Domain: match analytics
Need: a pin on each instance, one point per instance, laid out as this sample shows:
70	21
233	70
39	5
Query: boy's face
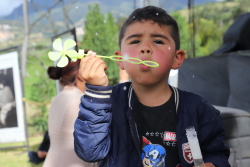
148	41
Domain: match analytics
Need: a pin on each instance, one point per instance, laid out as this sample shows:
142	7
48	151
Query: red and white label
187	152
169	136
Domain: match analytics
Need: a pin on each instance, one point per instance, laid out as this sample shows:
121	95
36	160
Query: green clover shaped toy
69	43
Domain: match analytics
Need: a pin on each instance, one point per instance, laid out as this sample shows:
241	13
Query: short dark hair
156	14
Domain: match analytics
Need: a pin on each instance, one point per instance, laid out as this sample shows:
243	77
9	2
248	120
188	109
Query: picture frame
12	126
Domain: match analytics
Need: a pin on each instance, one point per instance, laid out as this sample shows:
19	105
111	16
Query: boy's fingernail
93	54
89	52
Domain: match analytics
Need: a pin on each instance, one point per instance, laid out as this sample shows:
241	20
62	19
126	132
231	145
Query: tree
120	21
184	34
183	29
210	36
101	36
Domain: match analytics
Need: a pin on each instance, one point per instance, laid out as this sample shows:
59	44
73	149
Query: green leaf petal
72	54
54	55
63	62
74	59
69	43
57	44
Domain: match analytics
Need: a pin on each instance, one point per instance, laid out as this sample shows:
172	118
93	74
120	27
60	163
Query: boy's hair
156	14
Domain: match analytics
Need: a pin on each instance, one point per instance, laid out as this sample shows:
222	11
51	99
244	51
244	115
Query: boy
143	123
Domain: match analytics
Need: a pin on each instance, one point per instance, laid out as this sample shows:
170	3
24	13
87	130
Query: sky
7	6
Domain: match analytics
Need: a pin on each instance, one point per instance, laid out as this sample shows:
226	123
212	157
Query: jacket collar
132	98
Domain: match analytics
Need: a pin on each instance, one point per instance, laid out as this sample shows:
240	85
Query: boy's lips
144	67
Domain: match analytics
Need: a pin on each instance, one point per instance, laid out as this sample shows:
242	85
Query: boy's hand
92	70
208	164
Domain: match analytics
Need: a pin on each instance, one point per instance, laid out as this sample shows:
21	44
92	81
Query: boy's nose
145	51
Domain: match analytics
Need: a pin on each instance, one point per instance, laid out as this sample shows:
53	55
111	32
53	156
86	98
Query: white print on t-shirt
167	143
169	138
155	134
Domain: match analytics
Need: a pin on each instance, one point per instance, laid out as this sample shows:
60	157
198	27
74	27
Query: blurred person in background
40	155
62	115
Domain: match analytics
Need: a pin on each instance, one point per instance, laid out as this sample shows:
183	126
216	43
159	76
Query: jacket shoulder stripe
96	95
103	92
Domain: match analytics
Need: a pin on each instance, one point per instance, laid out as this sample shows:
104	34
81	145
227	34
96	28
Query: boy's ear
119	63
178	59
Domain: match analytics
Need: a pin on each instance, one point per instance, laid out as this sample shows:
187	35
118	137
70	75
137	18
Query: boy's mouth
144	67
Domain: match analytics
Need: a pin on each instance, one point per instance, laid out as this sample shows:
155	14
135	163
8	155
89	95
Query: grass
18	157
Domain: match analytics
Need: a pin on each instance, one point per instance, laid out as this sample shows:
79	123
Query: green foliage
211	22
39	89
41	92
40	124
242	8
120	21
183	29
209	35
184	34
94	36
101	36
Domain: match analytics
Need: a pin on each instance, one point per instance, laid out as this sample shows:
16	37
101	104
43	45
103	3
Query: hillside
210	6
44	29
78	9
117	6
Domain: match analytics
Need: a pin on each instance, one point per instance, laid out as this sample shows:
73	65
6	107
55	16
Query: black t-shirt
156	128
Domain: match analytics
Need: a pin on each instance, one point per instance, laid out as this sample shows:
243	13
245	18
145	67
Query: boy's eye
135	42
158	42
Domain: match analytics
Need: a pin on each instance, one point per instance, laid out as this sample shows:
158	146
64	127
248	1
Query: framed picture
11	106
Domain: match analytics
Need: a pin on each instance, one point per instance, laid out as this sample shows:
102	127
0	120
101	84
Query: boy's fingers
101	69
86	69
82	68
97	69
89	55
105	67
85	60
92	70
89	65
102	77
97	64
